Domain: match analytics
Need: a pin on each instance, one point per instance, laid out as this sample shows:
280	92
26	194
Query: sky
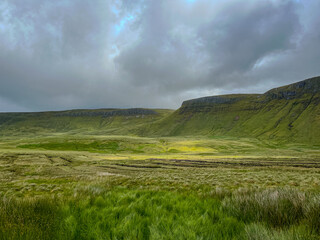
71	54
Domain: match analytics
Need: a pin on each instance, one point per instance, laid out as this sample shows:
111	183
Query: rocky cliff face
214	100
218	103
295	90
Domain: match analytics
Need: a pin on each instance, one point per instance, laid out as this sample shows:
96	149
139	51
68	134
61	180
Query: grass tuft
278	208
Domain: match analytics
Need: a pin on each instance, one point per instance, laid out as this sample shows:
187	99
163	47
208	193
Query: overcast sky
67	54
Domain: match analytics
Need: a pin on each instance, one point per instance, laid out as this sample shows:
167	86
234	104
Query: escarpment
289	113
219	103
309	86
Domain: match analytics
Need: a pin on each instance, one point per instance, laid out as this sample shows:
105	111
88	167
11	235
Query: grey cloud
218	53
302	61
59	49
242	34
166	52
67	54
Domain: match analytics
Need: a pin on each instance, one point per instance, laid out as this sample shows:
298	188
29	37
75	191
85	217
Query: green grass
247	169
51	123
125	187
151	215
29	218
282	120
120	213
76	146
277	208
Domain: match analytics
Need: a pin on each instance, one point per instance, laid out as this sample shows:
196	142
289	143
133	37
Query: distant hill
288	113
83	121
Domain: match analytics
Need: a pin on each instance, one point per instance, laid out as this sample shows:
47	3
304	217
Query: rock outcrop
295	90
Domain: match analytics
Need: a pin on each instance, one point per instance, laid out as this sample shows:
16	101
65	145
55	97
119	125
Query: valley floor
121	187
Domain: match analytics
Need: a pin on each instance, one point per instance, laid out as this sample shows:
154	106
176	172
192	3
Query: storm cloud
68	54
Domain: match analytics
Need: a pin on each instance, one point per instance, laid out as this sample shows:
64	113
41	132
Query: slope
95	121
288	113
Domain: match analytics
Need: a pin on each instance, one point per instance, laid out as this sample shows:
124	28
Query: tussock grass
119	214
118	187
312	213
277	208
258	231
29	218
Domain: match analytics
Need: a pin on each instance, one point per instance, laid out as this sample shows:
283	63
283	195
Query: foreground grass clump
257	231
122	213
119	214
148	214
280	208
29	218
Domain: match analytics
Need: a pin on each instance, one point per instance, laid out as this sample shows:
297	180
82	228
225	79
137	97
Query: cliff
288	113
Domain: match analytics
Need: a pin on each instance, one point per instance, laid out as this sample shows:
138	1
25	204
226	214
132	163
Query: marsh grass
258	231
277	208
29	218
121	213
103	187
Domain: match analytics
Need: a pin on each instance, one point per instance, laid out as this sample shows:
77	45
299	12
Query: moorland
223	167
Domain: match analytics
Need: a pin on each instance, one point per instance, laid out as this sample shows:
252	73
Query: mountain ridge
288	113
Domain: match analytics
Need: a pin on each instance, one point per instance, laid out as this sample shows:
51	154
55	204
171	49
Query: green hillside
97	121
288	113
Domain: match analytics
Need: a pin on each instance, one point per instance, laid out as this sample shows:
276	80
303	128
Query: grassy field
62	186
